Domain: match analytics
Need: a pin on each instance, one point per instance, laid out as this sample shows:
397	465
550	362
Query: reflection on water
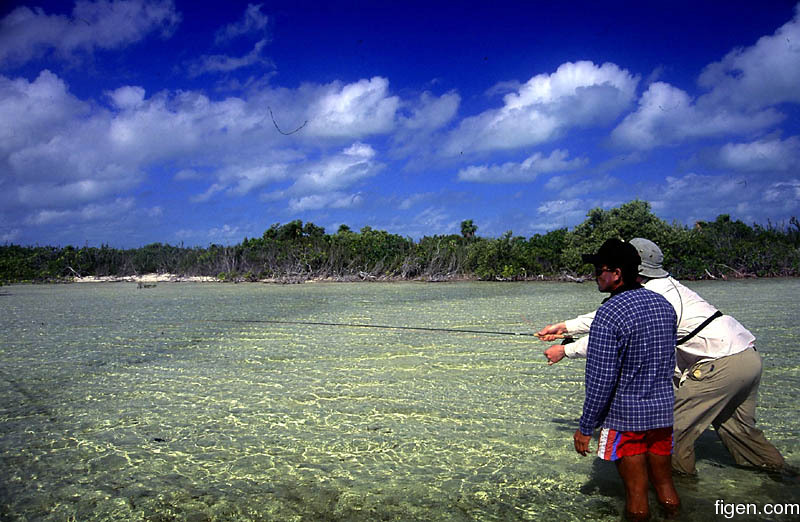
125	404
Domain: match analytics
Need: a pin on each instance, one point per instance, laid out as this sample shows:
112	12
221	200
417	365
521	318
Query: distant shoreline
154	278
147	279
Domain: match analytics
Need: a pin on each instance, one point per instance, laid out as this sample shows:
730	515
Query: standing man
717	374
630	360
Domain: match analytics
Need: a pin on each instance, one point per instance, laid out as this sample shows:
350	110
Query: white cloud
526	171
667	115
352	110
9	236
220	63
352	165
187	174
677	188
414	199
27	33
560	213
91	212
743	90
421	124
128	97
55	194
687	198
767	155
322	184
434	219
238	179
568	187
579	94
247	179
764	74
329	200
226	234
60	152
753	199
35	112
783	191
208	194
252	22
431	112
54	148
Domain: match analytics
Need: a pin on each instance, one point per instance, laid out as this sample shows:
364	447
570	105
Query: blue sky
131	122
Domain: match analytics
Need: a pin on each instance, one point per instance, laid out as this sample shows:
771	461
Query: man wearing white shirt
717	369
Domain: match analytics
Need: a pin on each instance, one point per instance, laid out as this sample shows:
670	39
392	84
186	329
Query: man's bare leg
634	473
659	469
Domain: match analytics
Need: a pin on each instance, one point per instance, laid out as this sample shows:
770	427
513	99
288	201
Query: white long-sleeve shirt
721	337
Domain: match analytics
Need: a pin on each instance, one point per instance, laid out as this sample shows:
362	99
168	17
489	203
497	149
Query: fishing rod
382	326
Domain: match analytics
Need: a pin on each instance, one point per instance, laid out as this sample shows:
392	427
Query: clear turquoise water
118	403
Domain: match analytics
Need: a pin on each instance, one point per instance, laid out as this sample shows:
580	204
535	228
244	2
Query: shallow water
118	403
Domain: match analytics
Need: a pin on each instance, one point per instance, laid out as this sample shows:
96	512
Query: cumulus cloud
355	109
323	184
667	115
59	152
343	170
764	74
743	90
35	112
246	179
579	94
767	155
526	171
431	112
55	148
26	33
421	123
686	198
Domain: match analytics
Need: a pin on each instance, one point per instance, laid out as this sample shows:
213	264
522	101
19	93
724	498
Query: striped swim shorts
616	444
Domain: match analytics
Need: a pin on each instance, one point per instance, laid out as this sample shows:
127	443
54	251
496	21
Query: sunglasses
599	270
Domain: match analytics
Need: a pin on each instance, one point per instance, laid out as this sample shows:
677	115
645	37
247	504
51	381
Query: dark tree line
298	251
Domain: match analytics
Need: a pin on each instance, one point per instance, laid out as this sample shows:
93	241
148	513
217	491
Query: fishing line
385	327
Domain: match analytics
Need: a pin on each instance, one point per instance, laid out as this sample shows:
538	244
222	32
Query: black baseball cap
614	253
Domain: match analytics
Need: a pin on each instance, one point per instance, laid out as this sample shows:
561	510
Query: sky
130	122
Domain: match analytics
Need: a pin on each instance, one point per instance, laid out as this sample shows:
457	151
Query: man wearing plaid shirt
630	361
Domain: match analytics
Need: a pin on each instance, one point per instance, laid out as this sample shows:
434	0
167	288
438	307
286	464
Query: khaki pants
722	393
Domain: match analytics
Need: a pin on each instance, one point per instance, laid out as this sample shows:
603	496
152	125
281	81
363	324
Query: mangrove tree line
297	251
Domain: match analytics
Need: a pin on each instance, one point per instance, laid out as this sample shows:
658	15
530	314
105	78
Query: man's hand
551	332
581	442
554	354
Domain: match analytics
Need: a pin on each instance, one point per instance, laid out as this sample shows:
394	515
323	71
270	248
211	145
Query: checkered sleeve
602	373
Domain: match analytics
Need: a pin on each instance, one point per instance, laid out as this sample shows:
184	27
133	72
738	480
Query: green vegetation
298	251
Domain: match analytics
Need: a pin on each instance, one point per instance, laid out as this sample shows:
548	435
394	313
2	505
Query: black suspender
702	325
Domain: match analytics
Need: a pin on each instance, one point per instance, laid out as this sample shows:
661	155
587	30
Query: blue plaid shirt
629	366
